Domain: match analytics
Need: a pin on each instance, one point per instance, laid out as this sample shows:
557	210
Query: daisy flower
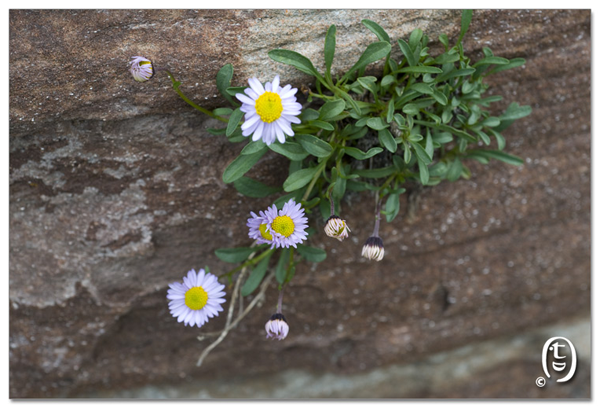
373	249
258	227
277	327
141	68
270	110
197	299
337	228
286	226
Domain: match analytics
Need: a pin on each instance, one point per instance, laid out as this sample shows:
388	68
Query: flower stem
189	101
280	300
377	218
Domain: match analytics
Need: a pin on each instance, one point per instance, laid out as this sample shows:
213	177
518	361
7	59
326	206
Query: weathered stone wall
115	191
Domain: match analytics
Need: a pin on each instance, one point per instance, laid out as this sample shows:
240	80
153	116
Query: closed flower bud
373	249
336	228
141	68
277	327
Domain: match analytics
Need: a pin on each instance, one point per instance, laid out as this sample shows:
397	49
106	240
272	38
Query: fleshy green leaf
374	52
491	61
329	48
514	111
299	179
241	165
314	145
377	123
387	140
331	109
465	21
234	121
294	59
224	81
408	53
256	276
252	188
234	255
253	147
498	155
289	149
312	254
376	173
377	30
421	69
423	171
360	155
454	170
392	207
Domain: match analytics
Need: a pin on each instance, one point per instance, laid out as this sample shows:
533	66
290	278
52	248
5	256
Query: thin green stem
320	168
189	101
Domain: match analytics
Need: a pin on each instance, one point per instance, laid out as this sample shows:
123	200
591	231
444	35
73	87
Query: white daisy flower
373	249
270	110
197	299
337	228
286	226
258	228
141	68
277	327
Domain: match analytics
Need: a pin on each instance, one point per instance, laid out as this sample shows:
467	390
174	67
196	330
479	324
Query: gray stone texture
116	190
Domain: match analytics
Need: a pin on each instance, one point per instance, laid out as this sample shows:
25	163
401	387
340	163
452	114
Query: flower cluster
281	229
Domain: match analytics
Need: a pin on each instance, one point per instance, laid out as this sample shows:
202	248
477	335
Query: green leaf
224	81
490	61
234	120
289	149
465	21
376	173
483	136
377	123
440	97
329	48
314	145
387	140
422	88
444	40
499	138
360	155
421	69
454	73
429	145
331	109
374	52
498	155
256	276
454	170
408	53
415	38
294	59
514	63
322	125
241	165
514	111
234	255
233	90
492	121
423	171
421	153
282	263
223	111
253	147
392	207
390	111
447	58
387	80
252	188
312	254
309	114
299	179
377	30
339	188
369	83
410	109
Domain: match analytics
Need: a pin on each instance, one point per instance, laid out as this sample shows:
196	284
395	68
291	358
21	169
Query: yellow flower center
196	298
283	225
263	231
269	107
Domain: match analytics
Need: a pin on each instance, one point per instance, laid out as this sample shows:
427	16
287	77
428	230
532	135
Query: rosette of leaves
422	120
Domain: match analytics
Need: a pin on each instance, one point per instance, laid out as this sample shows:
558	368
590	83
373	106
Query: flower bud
373	249
336	228
277	327
141	68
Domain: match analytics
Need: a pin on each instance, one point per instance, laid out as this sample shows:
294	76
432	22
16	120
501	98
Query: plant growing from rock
420	122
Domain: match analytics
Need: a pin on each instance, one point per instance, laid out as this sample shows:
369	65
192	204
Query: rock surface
116	190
